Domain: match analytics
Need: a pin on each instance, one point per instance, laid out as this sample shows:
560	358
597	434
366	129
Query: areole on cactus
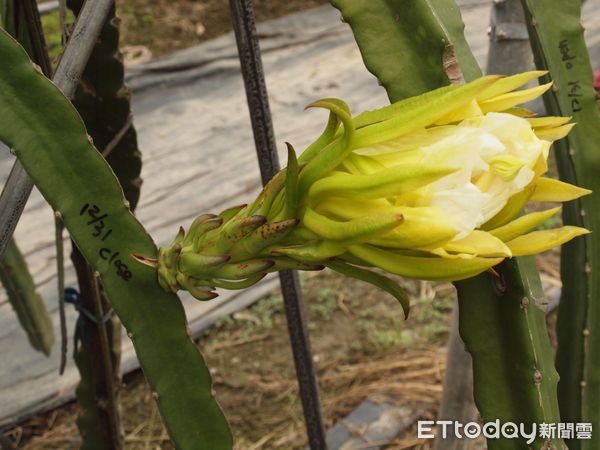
430	187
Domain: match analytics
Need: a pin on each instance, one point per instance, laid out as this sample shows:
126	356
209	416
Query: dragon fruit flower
431	187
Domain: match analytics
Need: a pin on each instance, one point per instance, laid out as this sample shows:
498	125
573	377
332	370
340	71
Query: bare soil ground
151	28
362	349
165	26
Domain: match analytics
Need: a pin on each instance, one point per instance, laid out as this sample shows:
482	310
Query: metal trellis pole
74	59
262	127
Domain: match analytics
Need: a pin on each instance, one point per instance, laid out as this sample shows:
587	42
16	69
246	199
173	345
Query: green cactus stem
22	295
97	354
103	100
18	19
50	140
558	45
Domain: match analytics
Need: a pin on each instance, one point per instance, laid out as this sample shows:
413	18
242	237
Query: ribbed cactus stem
514	375
558	45
103	100
62	163
20	19
28	305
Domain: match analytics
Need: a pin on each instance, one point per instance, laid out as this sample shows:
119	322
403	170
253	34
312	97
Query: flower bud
430	187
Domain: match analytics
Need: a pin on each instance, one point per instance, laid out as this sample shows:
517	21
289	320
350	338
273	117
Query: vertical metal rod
36	36
74	59
262	127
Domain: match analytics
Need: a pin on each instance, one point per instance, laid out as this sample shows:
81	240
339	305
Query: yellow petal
540	241
541	165
384	183
355	230
312	252
390	159
479	243
412	234
548	122
551	190
520	112
361	164
434	268
472	109
351	208
513	206
444	254
389	111
351	168
484	181
422	115
422	227
515	98
523	224
506	166
511	83
554	134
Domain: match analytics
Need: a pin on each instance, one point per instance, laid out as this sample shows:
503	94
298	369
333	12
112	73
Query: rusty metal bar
262	127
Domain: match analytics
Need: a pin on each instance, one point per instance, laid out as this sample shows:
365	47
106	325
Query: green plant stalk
21	19
408	49
501	319
60	289
513	369
29	306
103	100
558	45
51	142
97	354
12	19
31	311
102	423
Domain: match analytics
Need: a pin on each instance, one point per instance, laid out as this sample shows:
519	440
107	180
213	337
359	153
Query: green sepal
356	230
199	265
262	204
422	115
312	252
200	234
291	183
234	285
375	279
195	228
384	183
244	269
334	153
232	212
220	241
283	263
264	236
328	135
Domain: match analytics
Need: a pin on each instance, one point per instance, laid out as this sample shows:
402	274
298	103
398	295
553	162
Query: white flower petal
474	193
